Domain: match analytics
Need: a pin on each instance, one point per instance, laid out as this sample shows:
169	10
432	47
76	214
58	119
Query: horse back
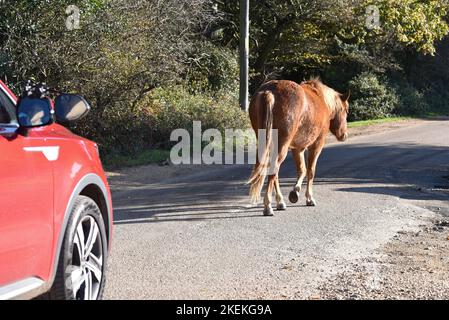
299	114
289	103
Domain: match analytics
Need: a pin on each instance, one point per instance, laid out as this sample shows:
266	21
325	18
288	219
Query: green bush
174	108
372	97
212	68
118	129
412	102
438	101
122	130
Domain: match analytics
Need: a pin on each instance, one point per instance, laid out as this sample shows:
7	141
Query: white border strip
19	288
51	153
8	94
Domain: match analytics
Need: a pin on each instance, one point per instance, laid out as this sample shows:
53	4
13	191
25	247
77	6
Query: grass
437	114
144	158
364	123
158	156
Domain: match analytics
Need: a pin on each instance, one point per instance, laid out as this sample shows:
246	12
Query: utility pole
244	54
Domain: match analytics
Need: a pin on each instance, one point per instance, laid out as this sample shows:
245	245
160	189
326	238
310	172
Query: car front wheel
82	263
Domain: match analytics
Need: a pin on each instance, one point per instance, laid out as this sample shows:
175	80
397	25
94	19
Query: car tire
82	262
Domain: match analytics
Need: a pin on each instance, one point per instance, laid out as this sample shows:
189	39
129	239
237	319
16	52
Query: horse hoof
282	206
293	197
311	203
268	212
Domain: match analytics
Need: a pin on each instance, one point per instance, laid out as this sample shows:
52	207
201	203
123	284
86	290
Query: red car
55	203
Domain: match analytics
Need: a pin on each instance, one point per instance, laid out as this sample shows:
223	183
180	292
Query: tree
121	51
306	36
418	24
279	27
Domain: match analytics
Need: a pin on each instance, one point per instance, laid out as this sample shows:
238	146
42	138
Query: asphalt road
197	237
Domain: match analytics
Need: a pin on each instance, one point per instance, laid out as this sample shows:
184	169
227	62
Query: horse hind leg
298	156
273	182
268	210
281	205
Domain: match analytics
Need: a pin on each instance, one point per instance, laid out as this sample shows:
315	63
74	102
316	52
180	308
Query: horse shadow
408	171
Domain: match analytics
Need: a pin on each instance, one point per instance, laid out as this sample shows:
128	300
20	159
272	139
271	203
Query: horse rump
263	104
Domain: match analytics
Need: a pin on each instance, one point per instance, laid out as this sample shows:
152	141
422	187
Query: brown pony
303	115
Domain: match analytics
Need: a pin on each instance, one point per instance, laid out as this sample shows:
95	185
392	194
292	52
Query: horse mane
329	95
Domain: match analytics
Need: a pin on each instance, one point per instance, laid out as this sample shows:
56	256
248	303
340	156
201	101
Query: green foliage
300	37
412	101
155	66
118	129
212	68
372	97
119	53
175	107
144	157
438	102
415	23
364	123
430	75
293	35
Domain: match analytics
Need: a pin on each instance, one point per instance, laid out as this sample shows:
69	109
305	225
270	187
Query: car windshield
7	110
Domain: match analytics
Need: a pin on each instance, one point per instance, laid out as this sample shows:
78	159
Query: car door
26	199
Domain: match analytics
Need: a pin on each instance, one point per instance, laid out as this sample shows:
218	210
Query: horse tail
265	102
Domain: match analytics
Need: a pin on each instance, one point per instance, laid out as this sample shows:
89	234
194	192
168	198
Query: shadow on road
404	170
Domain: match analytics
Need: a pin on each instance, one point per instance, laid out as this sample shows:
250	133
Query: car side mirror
32	112
70	107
